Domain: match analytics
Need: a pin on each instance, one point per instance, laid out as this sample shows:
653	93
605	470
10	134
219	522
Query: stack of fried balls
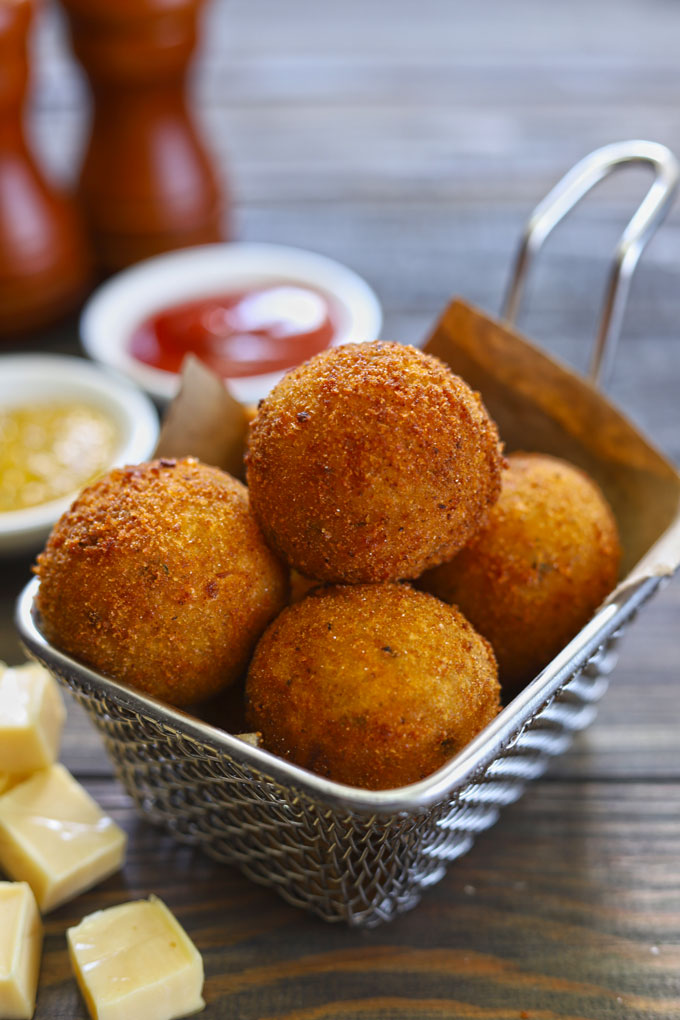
369	466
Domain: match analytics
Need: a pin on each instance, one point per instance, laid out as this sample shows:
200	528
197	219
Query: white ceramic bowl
36	378
123	302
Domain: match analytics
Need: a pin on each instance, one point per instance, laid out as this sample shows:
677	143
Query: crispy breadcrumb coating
159	577
371	462
538	570
376	686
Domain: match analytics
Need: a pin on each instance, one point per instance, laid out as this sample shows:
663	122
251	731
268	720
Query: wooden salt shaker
44	263
147	184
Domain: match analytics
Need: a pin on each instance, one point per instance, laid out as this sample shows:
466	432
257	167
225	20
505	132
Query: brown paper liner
205	421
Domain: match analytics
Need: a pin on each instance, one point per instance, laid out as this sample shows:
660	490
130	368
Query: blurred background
411	142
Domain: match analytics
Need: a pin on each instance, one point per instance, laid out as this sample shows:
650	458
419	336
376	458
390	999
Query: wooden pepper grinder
147	184
44	263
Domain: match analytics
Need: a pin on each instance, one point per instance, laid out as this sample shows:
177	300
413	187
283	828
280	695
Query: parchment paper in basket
205	421
542	405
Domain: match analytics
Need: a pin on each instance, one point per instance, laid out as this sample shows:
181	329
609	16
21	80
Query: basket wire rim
412	798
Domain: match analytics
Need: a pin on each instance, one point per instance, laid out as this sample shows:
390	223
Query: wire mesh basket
360	856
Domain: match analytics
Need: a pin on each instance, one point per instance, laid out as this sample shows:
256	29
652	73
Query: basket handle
561	200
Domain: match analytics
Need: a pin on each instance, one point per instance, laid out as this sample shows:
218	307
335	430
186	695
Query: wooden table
411	141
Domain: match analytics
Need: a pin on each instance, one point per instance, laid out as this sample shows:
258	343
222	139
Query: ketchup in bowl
250	332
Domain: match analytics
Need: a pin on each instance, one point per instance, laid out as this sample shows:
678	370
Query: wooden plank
379	153
231	77
545	915
572	38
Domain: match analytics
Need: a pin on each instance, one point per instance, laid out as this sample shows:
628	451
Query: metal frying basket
355	855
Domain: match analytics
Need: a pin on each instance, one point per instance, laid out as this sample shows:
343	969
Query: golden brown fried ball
372	685
159	577
537	571
371	462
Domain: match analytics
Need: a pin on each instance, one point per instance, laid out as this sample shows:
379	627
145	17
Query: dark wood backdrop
411	140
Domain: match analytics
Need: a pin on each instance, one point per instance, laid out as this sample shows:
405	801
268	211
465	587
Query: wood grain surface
411	141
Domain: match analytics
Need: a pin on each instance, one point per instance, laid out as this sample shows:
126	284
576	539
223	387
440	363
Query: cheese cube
54	836
31	718
9	780
20	948
136	961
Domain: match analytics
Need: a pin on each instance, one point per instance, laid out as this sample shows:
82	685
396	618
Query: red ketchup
267	328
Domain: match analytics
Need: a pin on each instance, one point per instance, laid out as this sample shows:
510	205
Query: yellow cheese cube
136	962
54	836
31	718
8	780
20	948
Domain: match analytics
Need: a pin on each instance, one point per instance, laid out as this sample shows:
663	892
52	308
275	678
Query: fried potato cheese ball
159	577
539	568
371	462
375	686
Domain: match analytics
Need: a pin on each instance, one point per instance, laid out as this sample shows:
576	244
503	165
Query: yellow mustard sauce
51	450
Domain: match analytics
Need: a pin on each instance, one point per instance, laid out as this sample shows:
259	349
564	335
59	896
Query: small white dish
36	378
123	302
